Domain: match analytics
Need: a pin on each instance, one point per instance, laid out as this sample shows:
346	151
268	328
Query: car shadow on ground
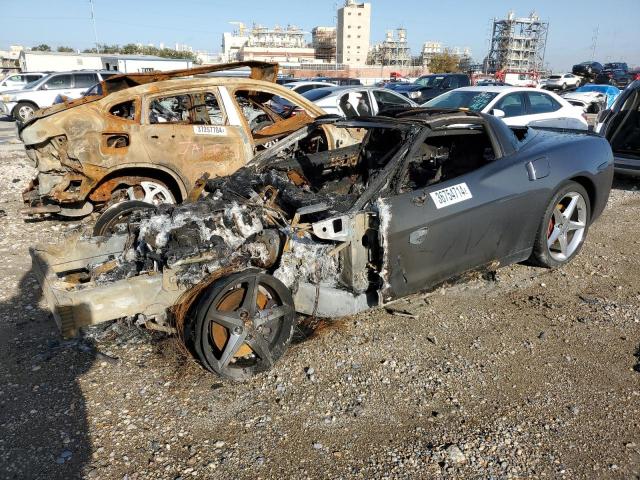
42	408
627	183
636	367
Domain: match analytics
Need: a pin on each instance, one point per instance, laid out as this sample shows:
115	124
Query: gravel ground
533	373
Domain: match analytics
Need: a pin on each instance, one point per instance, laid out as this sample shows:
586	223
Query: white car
303	86
17	81
517	106
21	104
564	81
356	101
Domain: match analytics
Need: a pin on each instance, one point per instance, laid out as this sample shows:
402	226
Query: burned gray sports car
427	195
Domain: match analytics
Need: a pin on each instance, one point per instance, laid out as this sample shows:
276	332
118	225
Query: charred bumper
59	270
55	193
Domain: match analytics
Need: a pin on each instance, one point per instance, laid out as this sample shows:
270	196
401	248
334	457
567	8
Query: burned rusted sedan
150	136
426	196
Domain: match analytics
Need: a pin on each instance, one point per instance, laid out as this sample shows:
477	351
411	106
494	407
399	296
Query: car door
622	127
60	84
189	132
485	216
545	111
514	107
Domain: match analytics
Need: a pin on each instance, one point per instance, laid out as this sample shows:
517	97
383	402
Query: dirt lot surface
532	374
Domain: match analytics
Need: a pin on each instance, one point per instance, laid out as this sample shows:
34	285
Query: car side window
388	99
58	82
451	82
126	110
355	104
512	105
173	109
541	103
446	155
84	80
206	109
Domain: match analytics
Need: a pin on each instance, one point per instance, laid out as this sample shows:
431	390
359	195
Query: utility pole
594	42
93	21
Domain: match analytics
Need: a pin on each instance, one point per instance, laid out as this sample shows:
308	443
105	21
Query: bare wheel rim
150	192
25	112
567	226
244	324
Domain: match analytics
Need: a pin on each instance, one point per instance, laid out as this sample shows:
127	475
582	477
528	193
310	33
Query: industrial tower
517	44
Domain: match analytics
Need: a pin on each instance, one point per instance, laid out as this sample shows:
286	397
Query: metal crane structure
517	44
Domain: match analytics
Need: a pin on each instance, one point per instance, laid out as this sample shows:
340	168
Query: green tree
65	49
43	47
444	62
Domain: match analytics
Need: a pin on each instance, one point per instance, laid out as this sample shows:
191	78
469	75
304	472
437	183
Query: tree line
128	49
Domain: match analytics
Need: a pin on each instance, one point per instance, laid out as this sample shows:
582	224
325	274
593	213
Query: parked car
620	125
350	102
429	86
616	66
18	81
342	81
563	81
21	104
619	78
515	105
494	83
591	92
286	108
331	234
151	136
587	69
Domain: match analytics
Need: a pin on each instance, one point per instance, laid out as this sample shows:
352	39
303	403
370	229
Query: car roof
496	89
305	82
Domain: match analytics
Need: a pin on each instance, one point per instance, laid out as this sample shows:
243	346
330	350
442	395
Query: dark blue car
430	86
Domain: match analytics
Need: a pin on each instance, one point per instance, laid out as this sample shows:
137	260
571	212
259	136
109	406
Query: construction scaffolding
394	51
517	44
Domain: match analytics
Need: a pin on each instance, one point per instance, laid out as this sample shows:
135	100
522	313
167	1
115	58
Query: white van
21	104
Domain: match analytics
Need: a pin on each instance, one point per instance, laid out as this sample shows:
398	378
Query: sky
200	23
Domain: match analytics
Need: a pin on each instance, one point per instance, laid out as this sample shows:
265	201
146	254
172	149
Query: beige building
354	32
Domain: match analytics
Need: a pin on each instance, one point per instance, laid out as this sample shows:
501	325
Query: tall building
394	51
517	44
284	45
354	33
323	41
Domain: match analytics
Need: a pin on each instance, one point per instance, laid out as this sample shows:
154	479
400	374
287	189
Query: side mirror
496	112
44	87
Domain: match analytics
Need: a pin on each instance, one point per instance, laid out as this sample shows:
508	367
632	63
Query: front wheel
564	227
23	111
117	214
242	324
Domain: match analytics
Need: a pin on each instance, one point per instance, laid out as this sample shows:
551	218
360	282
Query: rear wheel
564	226
243	324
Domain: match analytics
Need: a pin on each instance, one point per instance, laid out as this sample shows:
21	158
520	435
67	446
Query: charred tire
242	324
117	214
563	227
23	111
